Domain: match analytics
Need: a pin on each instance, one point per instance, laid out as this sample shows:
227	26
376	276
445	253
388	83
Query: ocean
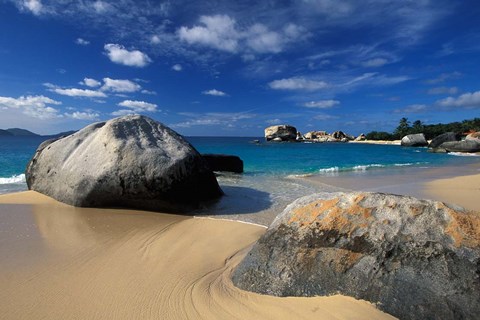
274	172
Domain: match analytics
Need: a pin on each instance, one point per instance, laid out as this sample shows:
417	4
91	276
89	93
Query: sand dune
60	262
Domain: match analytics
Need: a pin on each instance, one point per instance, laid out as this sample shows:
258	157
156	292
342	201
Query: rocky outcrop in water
224	162
414	140
281	133
131	161
461	146
415	259
444	137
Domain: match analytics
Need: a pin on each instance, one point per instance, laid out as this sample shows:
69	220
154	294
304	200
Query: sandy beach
61	262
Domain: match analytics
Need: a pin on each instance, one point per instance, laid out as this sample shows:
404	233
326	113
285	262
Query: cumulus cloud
177	67
89	82
82	42
74	92
298	83
138	106
216	31
90	116
120	85
118	54
214	92
467	101
33	6
322	104
221	32
155	39
443	90
33	106
413	108
101	7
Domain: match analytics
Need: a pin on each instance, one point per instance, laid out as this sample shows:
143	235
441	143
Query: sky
232	68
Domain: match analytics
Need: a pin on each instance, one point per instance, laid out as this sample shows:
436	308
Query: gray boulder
415	259
444	137
131	161
414	140
281	133
461	146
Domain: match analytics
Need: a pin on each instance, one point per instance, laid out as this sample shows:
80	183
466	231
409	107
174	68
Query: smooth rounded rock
131	161
414	140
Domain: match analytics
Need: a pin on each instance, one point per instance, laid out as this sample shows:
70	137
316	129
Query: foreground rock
281	133
474	136
444	137
131	161
414	140
416	259
223	162
461	146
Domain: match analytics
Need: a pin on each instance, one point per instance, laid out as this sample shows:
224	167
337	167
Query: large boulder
474	136
414	140
461	146
224	162
444	137
131	161
415	259
283	132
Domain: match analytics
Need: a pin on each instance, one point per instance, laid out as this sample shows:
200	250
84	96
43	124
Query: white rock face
130	161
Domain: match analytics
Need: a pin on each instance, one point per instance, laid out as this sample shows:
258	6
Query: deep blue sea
270	168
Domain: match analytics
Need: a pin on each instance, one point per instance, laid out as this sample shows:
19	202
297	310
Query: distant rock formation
444	137
461	146
361	137
414	140
281	133
474	136
415	259
131	161
223	162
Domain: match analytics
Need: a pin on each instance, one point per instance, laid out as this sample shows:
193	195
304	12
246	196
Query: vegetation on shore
429	130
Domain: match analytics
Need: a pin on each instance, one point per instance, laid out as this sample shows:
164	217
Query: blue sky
223	68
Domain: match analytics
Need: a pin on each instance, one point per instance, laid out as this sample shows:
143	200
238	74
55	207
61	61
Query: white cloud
213	119
216	31
91	116
118	85
443	90
101	7
413	108
177	67
33	106
139	106
89	82
298	83
274	121
214	92
34	6
82	42
375	62
118	54
144	91
222	32
467	100
155	39
444	77
322	104
74	92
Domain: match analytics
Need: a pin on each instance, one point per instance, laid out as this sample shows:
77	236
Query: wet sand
61	262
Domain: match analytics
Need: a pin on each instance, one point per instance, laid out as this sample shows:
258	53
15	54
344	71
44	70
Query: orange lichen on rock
464	228
334	215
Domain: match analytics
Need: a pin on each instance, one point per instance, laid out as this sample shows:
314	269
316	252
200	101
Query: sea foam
15	179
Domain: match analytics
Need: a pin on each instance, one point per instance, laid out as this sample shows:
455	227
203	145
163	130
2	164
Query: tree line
429	130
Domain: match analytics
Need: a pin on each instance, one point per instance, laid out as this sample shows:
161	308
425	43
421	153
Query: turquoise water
273	171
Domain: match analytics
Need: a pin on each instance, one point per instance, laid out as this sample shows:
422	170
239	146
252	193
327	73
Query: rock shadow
237	200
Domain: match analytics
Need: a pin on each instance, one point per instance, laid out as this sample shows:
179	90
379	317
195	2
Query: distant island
18	132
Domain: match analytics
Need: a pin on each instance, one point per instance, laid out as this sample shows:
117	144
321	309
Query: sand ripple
118	264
